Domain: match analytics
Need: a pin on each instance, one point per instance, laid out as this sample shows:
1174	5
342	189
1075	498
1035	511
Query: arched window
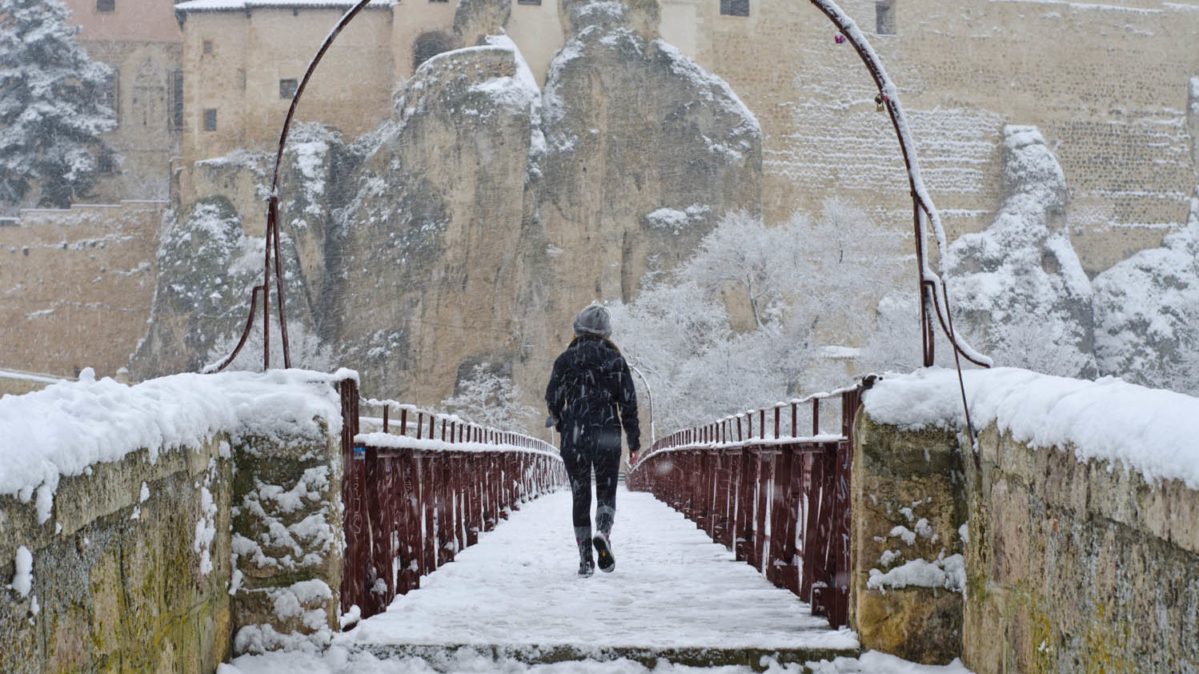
429	45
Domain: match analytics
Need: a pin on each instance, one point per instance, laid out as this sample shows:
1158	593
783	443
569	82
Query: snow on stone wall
1019	284
102	482
1150	431
66	428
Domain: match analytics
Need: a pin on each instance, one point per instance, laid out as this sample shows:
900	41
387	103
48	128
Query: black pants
579	466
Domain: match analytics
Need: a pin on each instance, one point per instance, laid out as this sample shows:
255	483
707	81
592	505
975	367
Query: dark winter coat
590	386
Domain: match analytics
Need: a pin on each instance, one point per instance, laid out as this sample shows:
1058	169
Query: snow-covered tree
743	321
52	106
490	399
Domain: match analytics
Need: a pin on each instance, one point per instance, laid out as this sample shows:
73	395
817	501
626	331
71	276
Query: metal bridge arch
934	295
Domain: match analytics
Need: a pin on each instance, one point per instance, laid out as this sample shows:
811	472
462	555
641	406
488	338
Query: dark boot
604	517
586	563
607	562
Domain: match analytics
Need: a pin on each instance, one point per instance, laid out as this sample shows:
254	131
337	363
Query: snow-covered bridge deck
674	594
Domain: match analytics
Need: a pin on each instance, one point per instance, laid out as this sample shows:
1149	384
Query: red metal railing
775	495
418	491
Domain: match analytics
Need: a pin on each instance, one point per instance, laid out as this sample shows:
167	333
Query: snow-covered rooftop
233	5
66	427
1151	431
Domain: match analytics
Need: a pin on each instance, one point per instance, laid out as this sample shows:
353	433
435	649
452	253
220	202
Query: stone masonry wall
76	286
1068	566
138	567
1079	566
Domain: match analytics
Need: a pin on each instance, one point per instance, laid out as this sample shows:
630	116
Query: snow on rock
1147	312
1151	431
205	531
714	91
294	602
675	220
945	572
65	428
22	580
207	266
1019	283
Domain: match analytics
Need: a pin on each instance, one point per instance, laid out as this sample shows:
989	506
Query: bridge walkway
675	594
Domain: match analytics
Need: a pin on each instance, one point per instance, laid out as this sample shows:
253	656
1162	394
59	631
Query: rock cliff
1147	312
471	225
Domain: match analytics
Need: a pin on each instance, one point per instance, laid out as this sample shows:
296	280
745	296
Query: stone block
288	539
917	624
908	505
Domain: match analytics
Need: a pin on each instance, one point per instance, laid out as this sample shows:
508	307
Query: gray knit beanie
594	319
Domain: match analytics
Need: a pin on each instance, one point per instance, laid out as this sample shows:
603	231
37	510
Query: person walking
590	396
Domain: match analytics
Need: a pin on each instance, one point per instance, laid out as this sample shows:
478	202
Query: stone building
142	44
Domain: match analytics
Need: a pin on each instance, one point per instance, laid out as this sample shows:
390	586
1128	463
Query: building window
177	99
207	46
105	163
884	17
110	94
528	2
734	7
106	5
429	45
210	120
287	89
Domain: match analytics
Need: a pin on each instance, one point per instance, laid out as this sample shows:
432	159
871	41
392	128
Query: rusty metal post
765	472
777	561
428	492
410	558
745	502
352	493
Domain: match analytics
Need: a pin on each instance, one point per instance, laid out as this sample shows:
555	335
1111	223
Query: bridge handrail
436	431
719	433
412	500
781	502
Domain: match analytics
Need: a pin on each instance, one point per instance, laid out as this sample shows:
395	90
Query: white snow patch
907	535
676	220
205	530
946	572
22	580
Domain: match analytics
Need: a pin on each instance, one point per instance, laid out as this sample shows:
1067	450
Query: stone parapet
169	558
1066	565
135	553
1080	566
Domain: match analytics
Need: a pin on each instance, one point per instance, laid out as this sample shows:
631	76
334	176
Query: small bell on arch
879	100
839	39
